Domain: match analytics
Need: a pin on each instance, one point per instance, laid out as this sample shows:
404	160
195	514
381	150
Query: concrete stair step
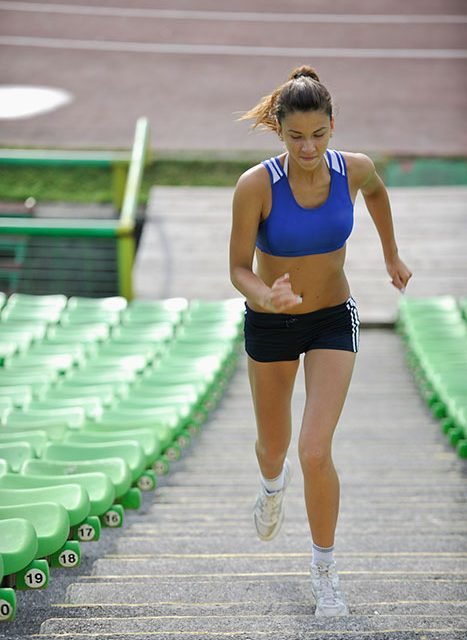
391	565
396	608
167	539
250	589
277	626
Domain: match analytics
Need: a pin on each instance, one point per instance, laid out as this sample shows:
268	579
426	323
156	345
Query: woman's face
306	136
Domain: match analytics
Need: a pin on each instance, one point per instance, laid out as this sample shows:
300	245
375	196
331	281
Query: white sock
322	554
276	484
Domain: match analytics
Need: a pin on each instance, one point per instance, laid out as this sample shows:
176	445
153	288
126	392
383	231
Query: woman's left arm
363	174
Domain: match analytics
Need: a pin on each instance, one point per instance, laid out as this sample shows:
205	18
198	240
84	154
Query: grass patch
93	184
75	184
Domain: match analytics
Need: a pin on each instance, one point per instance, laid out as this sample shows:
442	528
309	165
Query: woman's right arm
246	215
248	203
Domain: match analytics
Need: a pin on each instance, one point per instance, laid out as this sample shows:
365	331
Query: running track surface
398	76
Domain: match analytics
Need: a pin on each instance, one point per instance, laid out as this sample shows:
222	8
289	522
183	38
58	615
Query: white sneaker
269	509
325	588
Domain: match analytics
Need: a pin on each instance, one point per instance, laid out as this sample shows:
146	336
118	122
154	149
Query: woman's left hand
399	272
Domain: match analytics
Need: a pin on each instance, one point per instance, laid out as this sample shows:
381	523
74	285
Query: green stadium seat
50	521
143	312
87	315
113	303
19	313
95	373
159	333
462	302
6	407
72	417
104	394
38	385
97	484
128	450
436	304
20	395
36	438
89	334
146	480
7	351
113	361
102	387
32	301
18	544
57	363
35	379
115	469
146	438
90	405
73	497
17	338
163	379
16	453
76	352
18	550
7	600
55	430
221	313
25	329
461	424
166	430
120	350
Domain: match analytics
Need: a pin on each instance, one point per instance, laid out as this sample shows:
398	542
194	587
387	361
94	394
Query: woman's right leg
272	385
271	388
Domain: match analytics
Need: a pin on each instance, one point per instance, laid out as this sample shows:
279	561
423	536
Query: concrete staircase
191	566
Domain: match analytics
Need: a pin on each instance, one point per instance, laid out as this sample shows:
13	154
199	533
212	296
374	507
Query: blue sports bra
291	230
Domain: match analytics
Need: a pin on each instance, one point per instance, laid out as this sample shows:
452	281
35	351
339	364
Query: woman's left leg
327	377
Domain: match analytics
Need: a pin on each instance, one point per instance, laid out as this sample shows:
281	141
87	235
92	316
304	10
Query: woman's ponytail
303	91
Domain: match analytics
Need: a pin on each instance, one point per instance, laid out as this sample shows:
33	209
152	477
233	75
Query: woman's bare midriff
319	278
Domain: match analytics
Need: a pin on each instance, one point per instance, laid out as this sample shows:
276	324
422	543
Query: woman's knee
271	452
314	457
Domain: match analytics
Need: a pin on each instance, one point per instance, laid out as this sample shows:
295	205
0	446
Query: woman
294	213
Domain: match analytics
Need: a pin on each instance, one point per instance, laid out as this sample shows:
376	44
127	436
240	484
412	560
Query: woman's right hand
281	297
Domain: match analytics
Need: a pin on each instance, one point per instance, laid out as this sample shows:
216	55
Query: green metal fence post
126	229
126	250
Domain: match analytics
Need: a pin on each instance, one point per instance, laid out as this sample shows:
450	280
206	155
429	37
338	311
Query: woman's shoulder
359	166
357	160
253	191
255	178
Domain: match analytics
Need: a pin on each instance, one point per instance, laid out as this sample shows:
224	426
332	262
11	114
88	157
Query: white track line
243	16
226	50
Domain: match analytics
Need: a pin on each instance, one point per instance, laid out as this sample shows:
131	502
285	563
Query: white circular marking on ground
24	102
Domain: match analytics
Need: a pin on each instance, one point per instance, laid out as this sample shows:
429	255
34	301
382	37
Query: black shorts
271	337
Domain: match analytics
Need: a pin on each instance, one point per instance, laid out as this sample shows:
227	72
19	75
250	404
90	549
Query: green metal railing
77	257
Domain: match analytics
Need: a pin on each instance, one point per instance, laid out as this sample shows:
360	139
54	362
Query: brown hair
302	91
